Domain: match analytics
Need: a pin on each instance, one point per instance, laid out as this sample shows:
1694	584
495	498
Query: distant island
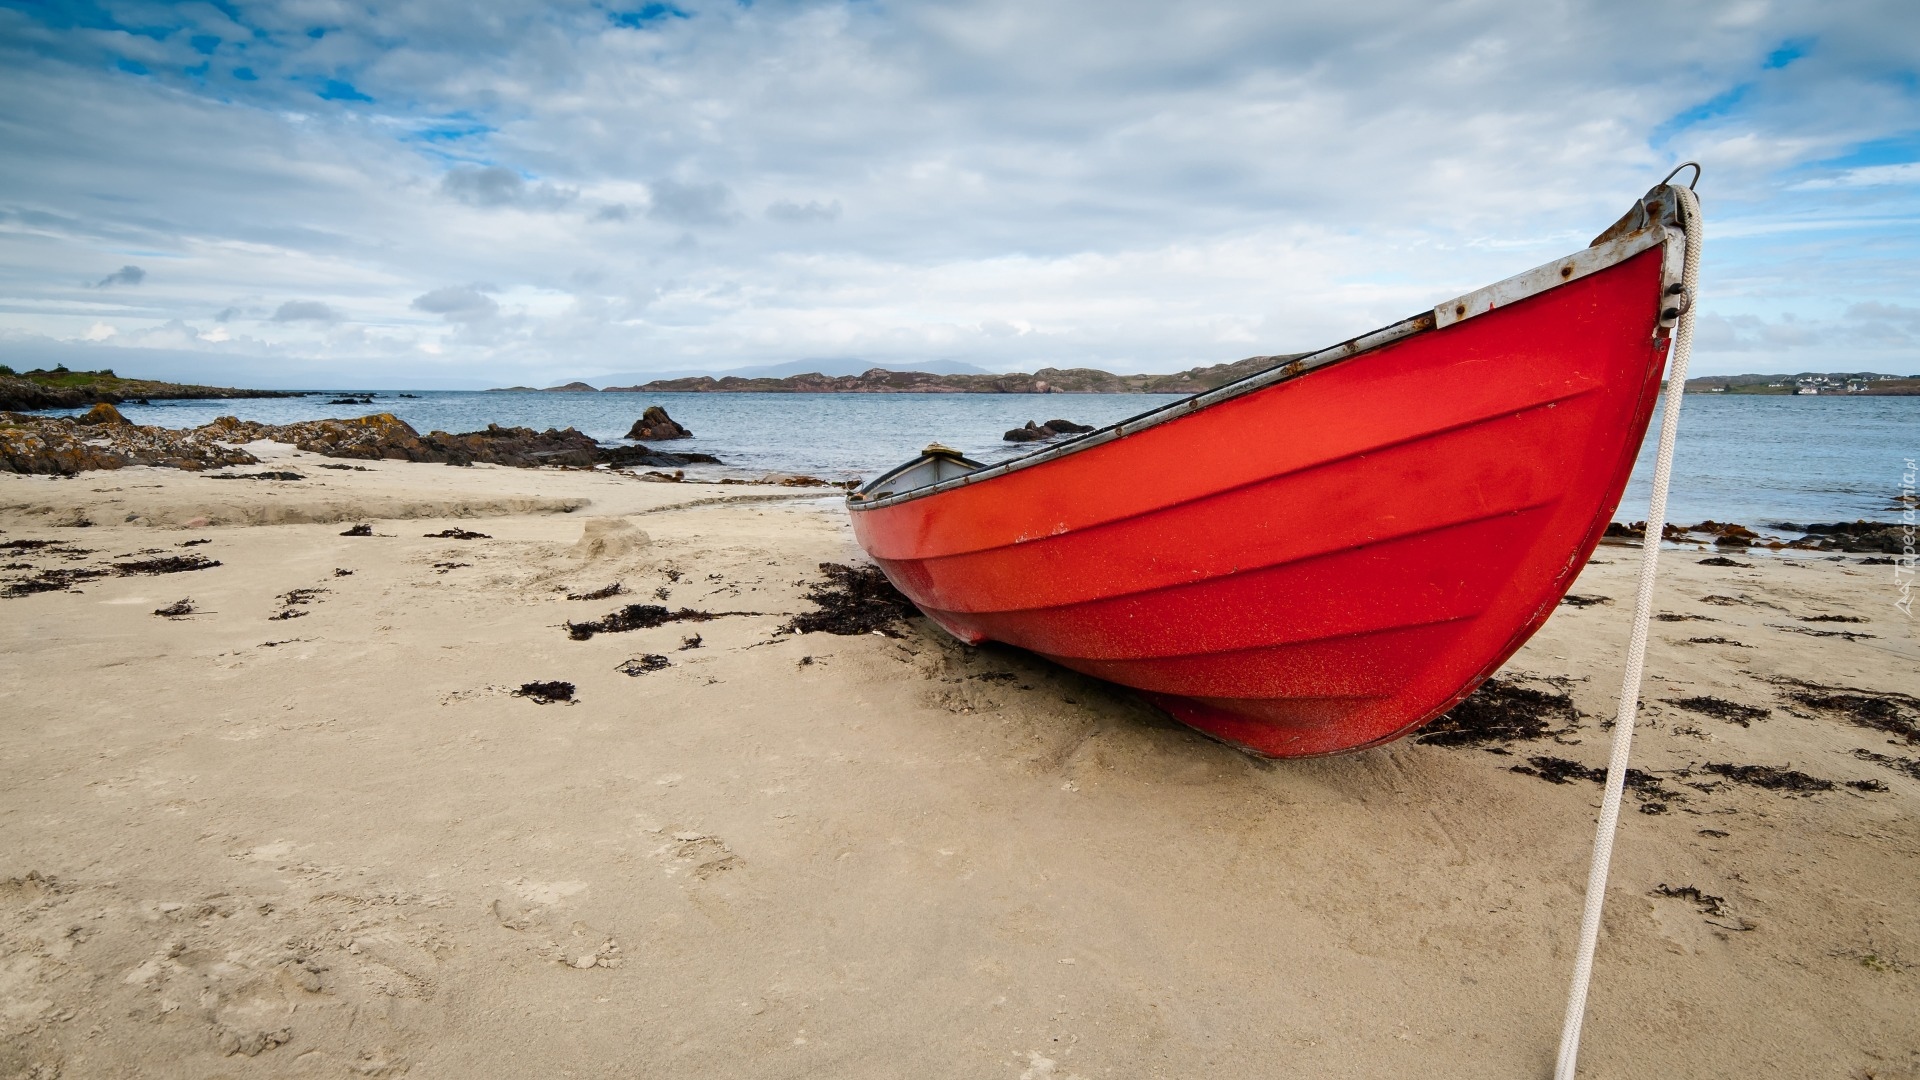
62	389
884	381
1858	383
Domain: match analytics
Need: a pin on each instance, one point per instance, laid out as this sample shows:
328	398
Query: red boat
1330	553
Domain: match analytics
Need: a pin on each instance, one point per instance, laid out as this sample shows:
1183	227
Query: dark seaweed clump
853	600
1668	616
1584	601
359	530
1711	905
1894	714
271	475
1717	641
49	581
1772	777
641	617
176	610
644	664
172	564
1722	709
1722	560
457	534
1560	771
1501	711
614	589
1644	786
545	693
1906	765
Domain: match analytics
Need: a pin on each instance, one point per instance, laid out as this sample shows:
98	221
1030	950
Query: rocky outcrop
1854	536
384	435
63	446
102	413
59	389
1036	432
655	424
1860	537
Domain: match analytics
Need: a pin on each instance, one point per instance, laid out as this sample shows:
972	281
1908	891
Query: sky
320	193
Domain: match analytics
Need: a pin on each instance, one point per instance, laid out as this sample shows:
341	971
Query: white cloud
1129	185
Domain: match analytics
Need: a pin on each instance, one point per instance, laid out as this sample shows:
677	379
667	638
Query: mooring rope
1629	708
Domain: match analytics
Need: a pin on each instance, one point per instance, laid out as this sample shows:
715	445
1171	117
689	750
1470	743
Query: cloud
458	303
795	213
294	311
691	205
1866	176
126	275
497	185
1132	186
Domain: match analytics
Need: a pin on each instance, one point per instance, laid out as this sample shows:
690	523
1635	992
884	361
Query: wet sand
240	843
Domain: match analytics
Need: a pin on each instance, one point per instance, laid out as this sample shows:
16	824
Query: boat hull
1327	561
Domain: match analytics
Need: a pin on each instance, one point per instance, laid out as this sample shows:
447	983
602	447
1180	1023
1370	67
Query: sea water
1748	459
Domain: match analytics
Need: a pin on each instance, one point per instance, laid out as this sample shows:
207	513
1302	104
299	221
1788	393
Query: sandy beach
309	829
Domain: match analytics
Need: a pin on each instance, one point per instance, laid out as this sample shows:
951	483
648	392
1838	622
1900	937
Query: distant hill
1044	381
63	389
1853	384
824	365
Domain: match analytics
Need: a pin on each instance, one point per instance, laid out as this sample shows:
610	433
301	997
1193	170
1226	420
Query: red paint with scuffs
1330	561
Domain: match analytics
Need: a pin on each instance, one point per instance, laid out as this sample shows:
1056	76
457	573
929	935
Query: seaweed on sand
643	664
457	534
1722	709
1895	714
1771	777
58	580
1502	711
171	564
177	609
1571	600
642	617
359	530
1905	765
1644	786
853	600
546	693
614	589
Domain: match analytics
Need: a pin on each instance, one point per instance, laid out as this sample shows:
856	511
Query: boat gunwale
1662	231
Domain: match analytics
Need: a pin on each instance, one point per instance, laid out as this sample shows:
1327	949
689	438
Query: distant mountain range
1856	384
972	381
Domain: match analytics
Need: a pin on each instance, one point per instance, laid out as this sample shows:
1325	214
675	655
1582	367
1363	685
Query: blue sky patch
340	90
649	13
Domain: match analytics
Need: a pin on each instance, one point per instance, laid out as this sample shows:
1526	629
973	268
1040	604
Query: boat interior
935	464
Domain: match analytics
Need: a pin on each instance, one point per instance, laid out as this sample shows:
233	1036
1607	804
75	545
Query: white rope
1624	716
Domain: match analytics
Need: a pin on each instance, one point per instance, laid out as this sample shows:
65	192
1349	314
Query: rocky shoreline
61	389
104	439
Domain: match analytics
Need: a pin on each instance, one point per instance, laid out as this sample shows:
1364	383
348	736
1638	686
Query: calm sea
1747	459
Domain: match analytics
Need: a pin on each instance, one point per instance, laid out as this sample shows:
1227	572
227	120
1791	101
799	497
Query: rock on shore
1036	432
103	439
655	424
